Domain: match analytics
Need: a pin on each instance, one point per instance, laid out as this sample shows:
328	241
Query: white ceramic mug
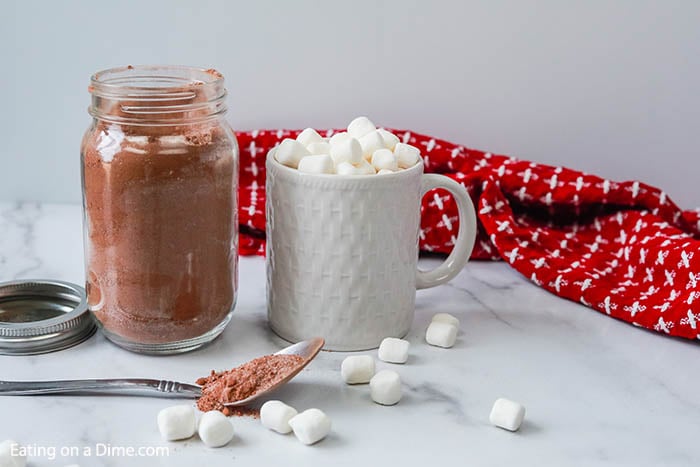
342	253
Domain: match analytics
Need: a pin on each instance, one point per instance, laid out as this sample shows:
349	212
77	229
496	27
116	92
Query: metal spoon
307	349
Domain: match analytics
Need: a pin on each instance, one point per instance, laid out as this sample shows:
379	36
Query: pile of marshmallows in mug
361	150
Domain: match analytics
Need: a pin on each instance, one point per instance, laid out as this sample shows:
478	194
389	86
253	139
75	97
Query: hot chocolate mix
160	228
244	381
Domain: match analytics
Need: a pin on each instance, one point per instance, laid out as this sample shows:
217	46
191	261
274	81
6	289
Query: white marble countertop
597	391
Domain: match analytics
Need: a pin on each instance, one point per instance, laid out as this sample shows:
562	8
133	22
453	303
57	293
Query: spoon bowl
307	350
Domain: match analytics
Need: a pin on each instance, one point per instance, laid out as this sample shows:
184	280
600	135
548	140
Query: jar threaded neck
157	95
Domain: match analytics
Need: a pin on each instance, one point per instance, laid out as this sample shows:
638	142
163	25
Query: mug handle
465	238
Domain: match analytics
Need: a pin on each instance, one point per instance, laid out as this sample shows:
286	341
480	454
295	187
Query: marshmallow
390	139
441	334
366	168
384	172
363	168
384	159
290	152
215	429
308	136
371	142
346	168
6	457
347	151
319	164
339	138
407	155
275	415
393	350
360	126
507	414
177	422
357	369
385	387
310	426
321	147
446	318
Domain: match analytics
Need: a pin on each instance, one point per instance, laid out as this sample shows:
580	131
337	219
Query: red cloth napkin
624	249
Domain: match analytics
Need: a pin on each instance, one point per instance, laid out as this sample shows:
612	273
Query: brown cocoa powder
160	228
242	382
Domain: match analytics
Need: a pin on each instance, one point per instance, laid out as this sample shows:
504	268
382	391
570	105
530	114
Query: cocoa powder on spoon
242	382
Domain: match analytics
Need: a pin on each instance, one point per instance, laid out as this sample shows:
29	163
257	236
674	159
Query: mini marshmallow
366	168
308	136
371	142
384	172
177	422
384	159
446	318
390	139
507	414
346	168
339	138
385	387
321	147
407	155
347	151
275	415
215	429
441	334
290	152
357	369
360	126
319	164
363	168
393	350
6	457
310	426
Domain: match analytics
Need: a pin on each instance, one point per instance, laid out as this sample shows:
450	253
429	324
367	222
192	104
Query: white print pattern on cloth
561	228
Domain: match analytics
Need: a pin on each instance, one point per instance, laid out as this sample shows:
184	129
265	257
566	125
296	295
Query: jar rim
151	79
157	94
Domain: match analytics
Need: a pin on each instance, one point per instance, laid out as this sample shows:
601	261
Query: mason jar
160	177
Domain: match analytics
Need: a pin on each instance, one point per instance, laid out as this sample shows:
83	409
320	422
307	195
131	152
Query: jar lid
41	316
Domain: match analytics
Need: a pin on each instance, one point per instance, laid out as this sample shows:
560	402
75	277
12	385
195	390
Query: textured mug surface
341	255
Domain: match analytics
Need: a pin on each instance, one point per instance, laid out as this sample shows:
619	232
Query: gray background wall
610	87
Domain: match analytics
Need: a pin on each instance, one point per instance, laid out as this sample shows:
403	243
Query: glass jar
160	178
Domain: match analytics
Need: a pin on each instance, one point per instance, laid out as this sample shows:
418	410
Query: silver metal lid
40	316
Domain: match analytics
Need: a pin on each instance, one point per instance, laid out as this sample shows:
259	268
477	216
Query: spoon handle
130	386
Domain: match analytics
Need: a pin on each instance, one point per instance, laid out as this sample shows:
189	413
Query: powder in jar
160	178
160	217
242	382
